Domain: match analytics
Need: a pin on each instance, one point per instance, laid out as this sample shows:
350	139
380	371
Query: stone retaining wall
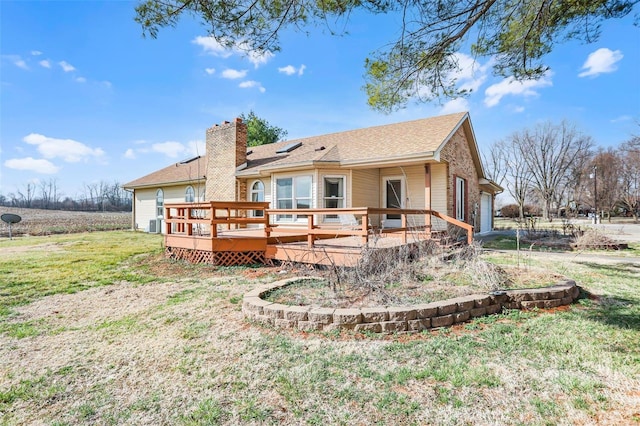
413	318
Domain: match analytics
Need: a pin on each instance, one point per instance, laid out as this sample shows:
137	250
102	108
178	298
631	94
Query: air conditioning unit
155	226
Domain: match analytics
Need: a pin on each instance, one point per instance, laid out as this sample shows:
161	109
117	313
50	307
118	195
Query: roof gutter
157	184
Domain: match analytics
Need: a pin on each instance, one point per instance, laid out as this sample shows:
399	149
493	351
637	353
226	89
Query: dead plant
594	240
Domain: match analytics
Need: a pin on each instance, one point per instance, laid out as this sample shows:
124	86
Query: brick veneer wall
226	150
401	319
458	156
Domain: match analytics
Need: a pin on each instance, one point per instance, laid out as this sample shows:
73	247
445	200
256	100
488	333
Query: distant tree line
100	196
559	170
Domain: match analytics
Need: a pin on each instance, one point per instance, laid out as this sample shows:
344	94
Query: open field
48	222
98	328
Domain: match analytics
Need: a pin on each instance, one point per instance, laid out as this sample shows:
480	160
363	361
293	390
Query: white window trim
312	201
251	191
460	201
160	207
323	198
193	192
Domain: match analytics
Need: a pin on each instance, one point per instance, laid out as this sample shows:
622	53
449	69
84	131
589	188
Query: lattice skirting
220	258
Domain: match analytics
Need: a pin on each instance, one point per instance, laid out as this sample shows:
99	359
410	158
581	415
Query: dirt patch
49	247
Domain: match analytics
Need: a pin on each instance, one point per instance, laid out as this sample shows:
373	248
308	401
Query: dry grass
385	278
177	351
48	222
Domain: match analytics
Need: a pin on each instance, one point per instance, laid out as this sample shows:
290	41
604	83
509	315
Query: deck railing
185	218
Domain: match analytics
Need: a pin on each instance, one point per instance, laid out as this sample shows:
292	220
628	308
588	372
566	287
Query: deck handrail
235	214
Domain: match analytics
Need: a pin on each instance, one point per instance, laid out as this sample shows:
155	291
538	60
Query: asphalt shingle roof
409	138
182	172
368	144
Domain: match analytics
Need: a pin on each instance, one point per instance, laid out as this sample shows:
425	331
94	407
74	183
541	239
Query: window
333	195
159	203
257	194
293	193
460	198
189	195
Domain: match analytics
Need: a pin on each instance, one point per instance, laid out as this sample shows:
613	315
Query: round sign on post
10	218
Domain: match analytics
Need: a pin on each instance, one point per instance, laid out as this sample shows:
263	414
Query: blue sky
85	98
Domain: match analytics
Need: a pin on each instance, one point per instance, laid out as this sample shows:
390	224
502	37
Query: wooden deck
231	233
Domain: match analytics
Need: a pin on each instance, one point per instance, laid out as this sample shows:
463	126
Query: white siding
364	189
439	192
145	203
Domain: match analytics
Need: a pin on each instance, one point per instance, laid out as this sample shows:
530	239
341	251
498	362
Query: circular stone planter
391	319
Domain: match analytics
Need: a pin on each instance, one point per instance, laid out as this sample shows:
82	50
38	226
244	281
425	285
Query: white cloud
18	61
170	148
130	154
471	74
36	52
107	84
197	147
66	67
518	109
511	86
210	71
601	61
255	57
288	70
455	105
81	80
621	119
213	47
233	74
250	83
21	64
69	150
291	70
15	60
33	165
45	63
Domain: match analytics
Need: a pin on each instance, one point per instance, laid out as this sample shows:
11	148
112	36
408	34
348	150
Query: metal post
595	194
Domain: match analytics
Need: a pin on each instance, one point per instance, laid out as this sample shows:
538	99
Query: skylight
289	147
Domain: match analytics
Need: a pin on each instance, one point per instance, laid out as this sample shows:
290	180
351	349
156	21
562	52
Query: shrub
510	211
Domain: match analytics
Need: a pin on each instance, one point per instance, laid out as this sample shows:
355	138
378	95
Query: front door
393	199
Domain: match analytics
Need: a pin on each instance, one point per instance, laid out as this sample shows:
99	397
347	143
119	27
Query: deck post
212	217
404	228
310	226
167	215
267	223
365	227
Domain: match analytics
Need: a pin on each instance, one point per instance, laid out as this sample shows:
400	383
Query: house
429	164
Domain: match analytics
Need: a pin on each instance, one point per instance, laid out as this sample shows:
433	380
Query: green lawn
129	338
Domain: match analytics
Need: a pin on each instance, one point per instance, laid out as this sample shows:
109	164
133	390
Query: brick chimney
226	150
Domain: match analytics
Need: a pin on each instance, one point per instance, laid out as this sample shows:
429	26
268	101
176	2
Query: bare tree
25	199
49	195
606	164
630	176
549	151
505	156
